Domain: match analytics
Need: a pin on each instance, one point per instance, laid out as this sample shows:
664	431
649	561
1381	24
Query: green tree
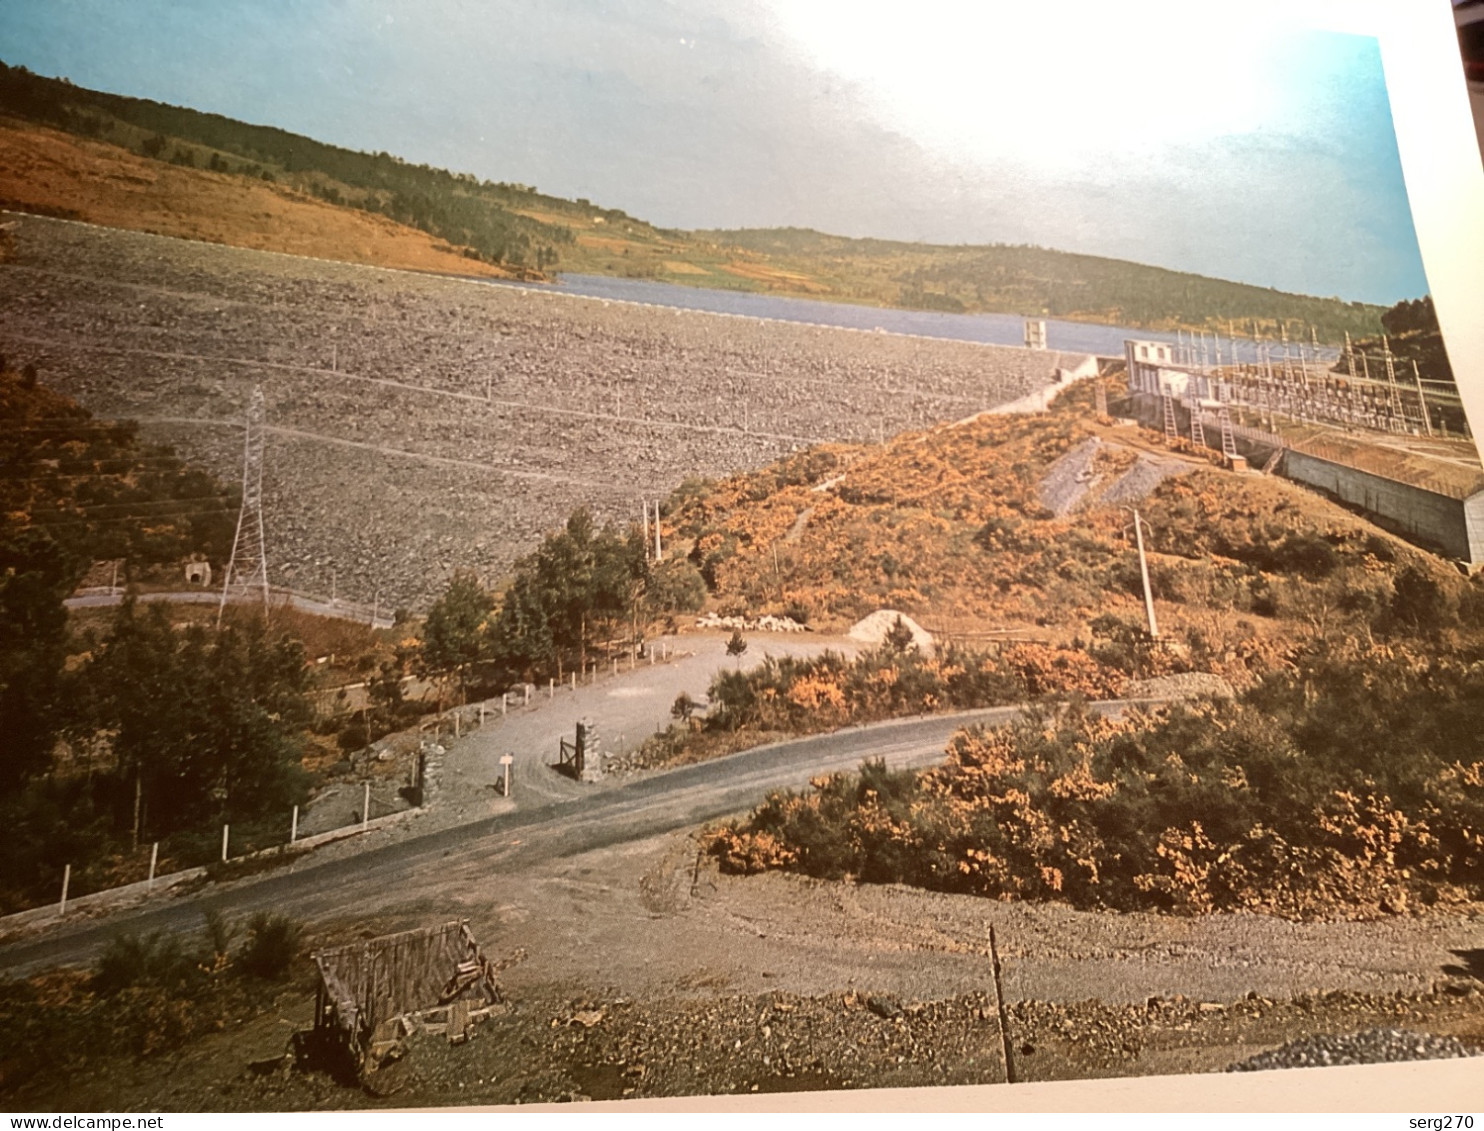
204	724
674	586
588	582
737	646
384	691
900	639
35	577
455	636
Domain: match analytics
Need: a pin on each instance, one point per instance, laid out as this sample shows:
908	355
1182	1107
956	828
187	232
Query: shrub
134	961
272	945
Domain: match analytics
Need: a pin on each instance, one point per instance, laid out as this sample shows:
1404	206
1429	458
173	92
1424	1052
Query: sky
1246	150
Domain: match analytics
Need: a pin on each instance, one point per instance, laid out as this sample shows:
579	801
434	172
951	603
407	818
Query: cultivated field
421	423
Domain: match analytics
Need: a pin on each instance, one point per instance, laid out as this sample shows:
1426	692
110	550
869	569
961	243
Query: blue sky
1263	153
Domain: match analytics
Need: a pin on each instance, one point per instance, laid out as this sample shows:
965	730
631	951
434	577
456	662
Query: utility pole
1144	575
1421	399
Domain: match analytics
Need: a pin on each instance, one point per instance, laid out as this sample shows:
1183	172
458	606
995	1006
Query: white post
574	679
505	761
294	826
225	829
651	655
504	703
481	716
550	687
527	687
615	665
154	858
458	717
644	506
659	550
366	809
66	880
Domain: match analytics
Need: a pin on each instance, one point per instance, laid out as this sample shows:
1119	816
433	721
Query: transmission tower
247	571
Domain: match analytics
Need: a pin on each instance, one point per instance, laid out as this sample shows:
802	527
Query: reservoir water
992	329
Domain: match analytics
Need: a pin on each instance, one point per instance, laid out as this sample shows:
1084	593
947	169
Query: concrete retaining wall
1417	514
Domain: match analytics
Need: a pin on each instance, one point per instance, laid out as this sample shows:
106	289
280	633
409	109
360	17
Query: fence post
66	880
615	665
550	687
504	703
366	809
294	826
154	858
224	842
527	686
574	679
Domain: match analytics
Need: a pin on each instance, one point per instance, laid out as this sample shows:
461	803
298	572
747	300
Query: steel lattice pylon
247	571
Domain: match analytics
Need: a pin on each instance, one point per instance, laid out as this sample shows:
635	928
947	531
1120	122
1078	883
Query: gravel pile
1068	480
421	423
1375	1046
874	629
1141	479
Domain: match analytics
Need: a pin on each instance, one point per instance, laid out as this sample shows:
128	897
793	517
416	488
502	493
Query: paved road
635	810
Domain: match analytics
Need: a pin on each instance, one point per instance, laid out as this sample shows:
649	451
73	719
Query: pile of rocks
1374	1046
750	624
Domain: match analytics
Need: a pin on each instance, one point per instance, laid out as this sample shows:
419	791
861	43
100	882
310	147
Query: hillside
51	173
1324	761
993	528
1034	280
218	170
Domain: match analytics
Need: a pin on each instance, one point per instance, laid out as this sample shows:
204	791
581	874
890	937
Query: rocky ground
419	423
646	973
555	1047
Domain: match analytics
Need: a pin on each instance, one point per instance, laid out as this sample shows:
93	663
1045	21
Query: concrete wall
1453	526
1419	515
1473	518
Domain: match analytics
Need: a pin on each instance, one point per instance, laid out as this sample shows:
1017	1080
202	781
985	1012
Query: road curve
635	810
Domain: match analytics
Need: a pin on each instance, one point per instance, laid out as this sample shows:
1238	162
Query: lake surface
992	329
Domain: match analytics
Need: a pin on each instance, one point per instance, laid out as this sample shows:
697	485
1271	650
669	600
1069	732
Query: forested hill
521	230
1025	279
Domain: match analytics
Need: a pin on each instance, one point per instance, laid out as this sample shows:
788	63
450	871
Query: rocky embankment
420	423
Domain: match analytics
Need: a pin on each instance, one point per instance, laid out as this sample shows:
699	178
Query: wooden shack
375	993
